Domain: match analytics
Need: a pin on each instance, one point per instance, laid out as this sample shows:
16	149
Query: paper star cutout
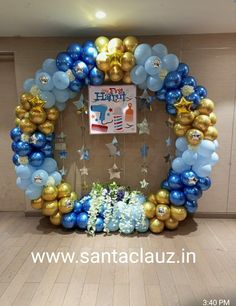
170	123
167	158
80	106
63	171
146	100
84	153
144	184
113	147
63	154
70	75
168	142
144	169
144	150
83	171
114	172
37	101
183	106
143	127
61	137
114	141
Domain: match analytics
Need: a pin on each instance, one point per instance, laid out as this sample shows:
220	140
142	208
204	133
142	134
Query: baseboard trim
33	213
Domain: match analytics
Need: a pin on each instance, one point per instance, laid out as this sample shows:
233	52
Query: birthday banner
112	109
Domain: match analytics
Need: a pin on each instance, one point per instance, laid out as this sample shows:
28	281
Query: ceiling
140	17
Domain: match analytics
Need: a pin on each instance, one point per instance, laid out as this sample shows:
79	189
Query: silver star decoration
61	137
143	127
144	95
144	184
80	103
83	171
192	180
84	153
114	172
144	169
27	138
113	147
63	171
168	142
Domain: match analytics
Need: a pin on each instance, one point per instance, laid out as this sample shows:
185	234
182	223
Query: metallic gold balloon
49	193
202	122
171	224
56	218
115	45
103	61
27	126
185	118
101	43
162	196
194	137
37	204
206	106
213	118
47	127
162	212
66	205
149	209
17	122
52	113
73	196
126	78
20	112
180	130
130	43
211	133
37	115
156	226
25	99
152	198
127	61
64	190
50	208
107	78
116	73
178	213
196	113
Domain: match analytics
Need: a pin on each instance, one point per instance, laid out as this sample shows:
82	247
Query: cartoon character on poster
112	109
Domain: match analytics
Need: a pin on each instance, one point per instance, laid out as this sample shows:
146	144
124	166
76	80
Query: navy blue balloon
36	159
194	97
204	183
189	178
189	80
89	54
23	148
80	70
99	224
96	76
191	206
82	220
193	193
47	150
171	109
69	220
64	61
78	207
88	43
161	94
14	145
183	69
201	91
75	51
38	140
177	197
174	181
172	96
165	185
75	85
50	137
172	80
87	204
171	171
15	159
15	134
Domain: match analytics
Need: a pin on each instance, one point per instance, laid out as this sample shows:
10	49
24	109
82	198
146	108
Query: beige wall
212	59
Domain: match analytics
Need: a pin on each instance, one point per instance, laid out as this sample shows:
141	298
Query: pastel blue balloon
48	97
75	51
37	72
49	165
170	62
39	177
61	95
206	148
192	193
204	183
64	61
44	81
159	50
202	171
178	165
28	84
216	143
99	225
138	75
189	178
153	65
177	197
142	53
49	66
174	181
57	177
214	159
181	144
69	220
143	85
60	106
142	227
38	140
33	192
154	84
191	206
113	225
36	159
24	171
22	183
82	220
183	69
189	157
126	227
78	207
60	80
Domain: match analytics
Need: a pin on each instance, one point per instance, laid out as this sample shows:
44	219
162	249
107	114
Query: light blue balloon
57	177
48	97
61	80
113	225
142	228
138	75
202	171
178	153
33	192
28	84
126	227
44	81
214	159
60	106
178	165
170	62
153	65
39	177
49	165
190	157
206	148
181	144
142	53
143	85
61	95
23	183
24	171
49	66
37	72
159	50
154	84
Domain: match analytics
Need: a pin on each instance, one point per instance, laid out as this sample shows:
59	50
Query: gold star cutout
183	106
83	171
36	101
114	172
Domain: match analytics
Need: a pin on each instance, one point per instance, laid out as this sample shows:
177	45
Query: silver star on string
114	172
84	153
80	103
144	184
144	169
63	171
61	137
113	147
168	142
143	127
83	171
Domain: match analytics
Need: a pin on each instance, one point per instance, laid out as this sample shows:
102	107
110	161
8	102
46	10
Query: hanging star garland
144	184
143	127
144	169
146	100
63	154
113	147
183	106
83	171
114	172
80	105
144	150
63	171
61	137
168	141
84	153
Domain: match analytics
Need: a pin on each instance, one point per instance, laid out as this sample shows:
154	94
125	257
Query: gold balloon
202	122
162	196
25	100
185	118
115	45
107	78
27	126
20	112
49	193
194	137
149	209
162	212
37	204
126	78
73	196
156	226
17	122
52	113
66	205
180	130
211	133
64	190
213	118
116	73
152	198
178	213
56	218
171	224
130	43
47	127
206	106
127	61
50	208
103	61
37	115
101	43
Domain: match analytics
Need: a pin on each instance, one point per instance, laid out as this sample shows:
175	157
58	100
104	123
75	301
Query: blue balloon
88	43
154	84
206	148
24	171
192	193
39	177
102	211
191	206
153	65
44	81
49	164
174	181
15	159
189	157
38	140
60	106
96	76
194	97
57	177
183	69
50	137
61	95
141	53
87	204
48	97
181	144
201	91
189	178
37	72
202	170
99	224
143	85
82	220
204	183
113	225
13	146
15	134
75	51
142	227
170	62
189	81
49	66
138	75
64	61
165	185
177	197
126	227
78	207
22	183
28	84
172	80
61	80
171	110
47	150
36	159
179	165
173	96
23	148
159	50
89	55
161	94
76	86
80	70
69	220
33	192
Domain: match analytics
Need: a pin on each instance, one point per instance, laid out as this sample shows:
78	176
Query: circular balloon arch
112	207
